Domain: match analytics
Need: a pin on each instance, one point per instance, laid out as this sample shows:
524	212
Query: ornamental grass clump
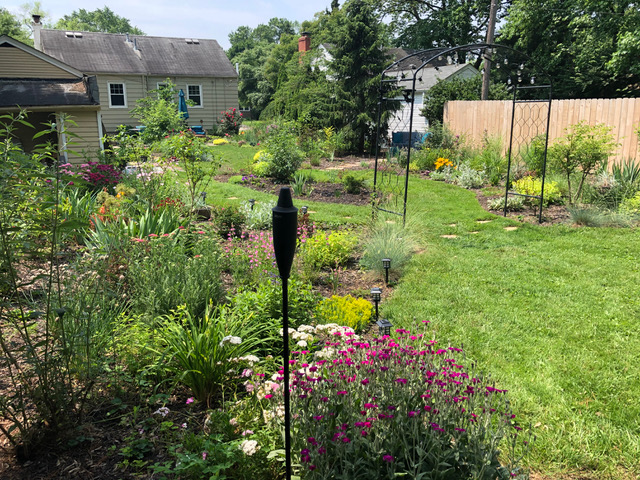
397	406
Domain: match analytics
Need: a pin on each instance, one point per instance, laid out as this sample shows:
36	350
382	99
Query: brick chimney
304	42
37	27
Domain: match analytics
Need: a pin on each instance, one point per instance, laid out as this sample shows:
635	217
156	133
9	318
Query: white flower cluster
249	447
230	339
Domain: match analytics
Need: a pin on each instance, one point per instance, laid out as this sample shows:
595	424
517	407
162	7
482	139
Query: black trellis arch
530	113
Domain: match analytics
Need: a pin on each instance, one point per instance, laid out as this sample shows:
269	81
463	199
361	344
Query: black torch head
285	229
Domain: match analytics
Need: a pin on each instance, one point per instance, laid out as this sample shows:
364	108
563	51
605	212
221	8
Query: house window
117	95
194	93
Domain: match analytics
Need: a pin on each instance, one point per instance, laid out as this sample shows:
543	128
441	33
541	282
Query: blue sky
171	18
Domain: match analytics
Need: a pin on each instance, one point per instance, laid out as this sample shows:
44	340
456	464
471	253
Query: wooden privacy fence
473	118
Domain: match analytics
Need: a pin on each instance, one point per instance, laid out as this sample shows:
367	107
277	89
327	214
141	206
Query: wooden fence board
473	118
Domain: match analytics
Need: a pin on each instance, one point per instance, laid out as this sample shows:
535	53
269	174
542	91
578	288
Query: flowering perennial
397	405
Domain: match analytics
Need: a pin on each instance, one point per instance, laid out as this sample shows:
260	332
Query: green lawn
551	312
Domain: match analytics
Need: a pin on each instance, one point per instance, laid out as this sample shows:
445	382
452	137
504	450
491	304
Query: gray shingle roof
29	92
110	53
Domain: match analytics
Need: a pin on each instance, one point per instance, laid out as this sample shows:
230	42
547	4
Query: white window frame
188	97
124	93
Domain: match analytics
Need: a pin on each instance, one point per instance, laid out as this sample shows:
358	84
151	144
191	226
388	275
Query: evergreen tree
358	61
99	20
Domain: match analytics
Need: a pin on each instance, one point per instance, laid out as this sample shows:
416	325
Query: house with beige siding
127	67
50	90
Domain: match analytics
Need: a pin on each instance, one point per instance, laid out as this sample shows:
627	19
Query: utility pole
491	30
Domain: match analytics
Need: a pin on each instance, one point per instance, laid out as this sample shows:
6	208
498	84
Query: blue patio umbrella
182	105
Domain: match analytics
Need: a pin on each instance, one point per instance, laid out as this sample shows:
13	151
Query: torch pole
287	409
285	226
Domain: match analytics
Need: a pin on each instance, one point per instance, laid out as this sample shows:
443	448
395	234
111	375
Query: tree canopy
99	20
590	47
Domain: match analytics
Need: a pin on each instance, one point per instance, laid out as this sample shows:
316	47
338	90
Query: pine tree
358	61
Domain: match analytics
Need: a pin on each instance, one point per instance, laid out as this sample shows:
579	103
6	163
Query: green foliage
129	148
285	156
11	26
532	154
158	112
99	20
205	347
265	304
352	184
458	89
387	240
52	335
533	186
358	61
583	148
347	311
251	48
438	24
588	50
324	250
180	269
468	177
631	205
514	204
230	122
260	217
490	159
227	221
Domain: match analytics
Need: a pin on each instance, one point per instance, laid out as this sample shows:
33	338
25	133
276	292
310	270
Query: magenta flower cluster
402	403
253	250
97	175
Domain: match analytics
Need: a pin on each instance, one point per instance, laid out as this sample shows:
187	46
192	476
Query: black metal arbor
403	84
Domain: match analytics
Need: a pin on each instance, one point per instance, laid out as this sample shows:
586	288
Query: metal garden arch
402	80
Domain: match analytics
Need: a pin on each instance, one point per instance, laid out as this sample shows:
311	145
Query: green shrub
514	204
631	206
532	155
265	304
262	168
283	150
227	221
469	177
230	122
158	112
347	311
207	349
352	184
490	160
426	158
181	269
260	217
533	186
328	250
581	151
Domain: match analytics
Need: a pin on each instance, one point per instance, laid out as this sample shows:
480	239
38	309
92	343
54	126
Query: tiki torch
285	227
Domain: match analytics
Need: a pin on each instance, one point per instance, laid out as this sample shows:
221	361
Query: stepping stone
232	198
453	225
484	221
311	211
347	217
449	236
510	229
391	221
473	233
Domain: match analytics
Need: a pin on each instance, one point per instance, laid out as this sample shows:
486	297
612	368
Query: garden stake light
386	264
384	326
304	210
204	196
376	293
285	228
252	202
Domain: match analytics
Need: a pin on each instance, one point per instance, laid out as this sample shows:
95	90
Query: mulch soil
96	457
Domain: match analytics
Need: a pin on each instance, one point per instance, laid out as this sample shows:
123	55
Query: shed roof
29	92
94	52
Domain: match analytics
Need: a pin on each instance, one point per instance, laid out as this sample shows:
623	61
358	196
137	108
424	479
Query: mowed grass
553	313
